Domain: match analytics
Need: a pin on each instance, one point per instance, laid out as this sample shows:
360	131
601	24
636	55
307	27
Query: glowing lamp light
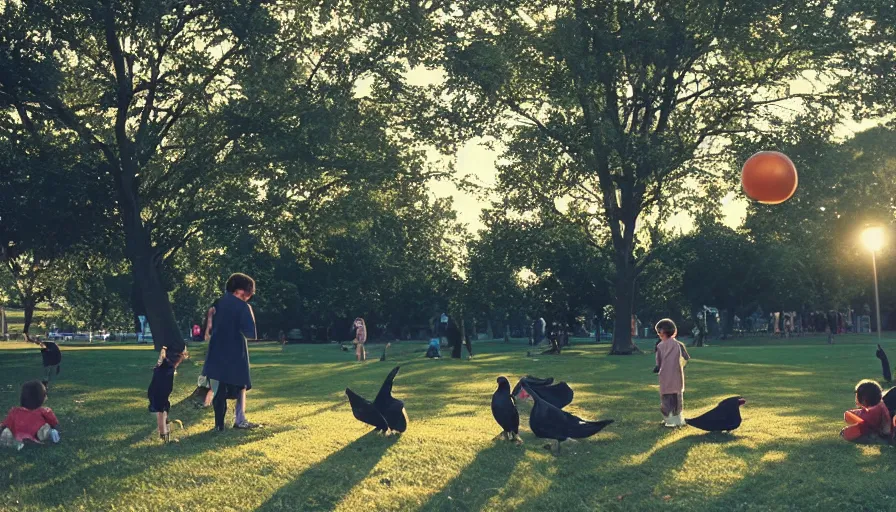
873	238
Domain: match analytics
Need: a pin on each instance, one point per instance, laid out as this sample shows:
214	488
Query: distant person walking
227	362
832	326
360	339
539	330
443	328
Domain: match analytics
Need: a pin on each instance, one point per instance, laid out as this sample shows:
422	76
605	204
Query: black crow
889	399
559	395
884	363
534	381
383	357
391	408
505	413
725	417
365	412
549	422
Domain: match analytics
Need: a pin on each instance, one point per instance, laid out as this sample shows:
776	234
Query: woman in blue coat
227	362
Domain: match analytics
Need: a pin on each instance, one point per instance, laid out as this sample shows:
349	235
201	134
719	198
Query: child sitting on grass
871	423
434	351
30	422
161	386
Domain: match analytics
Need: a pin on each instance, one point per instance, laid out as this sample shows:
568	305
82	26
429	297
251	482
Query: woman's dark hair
34	394
240	282
868	393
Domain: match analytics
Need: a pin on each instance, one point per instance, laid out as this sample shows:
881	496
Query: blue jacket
228	352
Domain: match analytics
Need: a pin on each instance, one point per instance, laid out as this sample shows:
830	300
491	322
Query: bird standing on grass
505	413
884	363
549	422
725	417
559	395
386	413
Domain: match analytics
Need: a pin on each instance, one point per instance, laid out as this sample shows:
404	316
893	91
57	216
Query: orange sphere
769	177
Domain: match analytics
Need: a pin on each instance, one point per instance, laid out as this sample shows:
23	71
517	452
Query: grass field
16	319
313	455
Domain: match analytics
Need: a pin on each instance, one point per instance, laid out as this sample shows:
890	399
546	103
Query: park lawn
313	455
16	319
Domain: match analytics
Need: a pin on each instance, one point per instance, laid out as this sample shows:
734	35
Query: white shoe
667	421
678	421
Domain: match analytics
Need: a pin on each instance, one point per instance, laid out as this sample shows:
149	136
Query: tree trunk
623	306
29	304
159	313
148	282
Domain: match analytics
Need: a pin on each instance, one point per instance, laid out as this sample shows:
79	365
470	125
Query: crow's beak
741	402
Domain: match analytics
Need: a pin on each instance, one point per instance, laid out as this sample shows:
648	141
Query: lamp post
873	240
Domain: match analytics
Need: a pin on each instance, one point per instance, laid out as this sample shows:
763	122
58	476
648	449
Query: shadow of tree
323	485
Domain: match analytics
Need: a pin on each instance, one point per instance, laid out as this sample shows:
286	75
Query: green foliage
201	116
97	295
382	253
614	112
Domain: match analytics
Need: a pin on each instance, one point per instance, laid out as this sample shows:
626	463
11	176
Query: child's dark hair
667	327
868	393
240	281
34	394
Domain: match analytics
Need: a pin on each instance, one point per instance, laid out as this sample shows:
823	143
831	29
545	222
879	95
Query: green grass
16	319
313	455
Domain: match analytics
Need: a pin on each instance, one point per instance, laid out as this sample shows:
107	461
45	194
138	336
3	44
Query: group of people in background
791	323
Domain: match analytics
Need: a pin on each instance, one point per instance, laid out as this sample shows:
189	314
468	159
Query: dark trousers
219	402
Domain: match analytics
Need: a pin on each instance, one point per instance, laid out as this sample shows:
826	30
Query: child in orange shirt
870	423
30	422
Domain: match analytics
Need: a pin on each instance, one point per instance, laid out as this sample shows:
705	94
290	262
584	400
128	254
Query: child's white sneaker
667	421
54	435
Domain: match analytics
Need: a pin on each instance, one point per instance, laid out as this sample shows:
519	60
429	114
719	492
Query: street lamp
873	240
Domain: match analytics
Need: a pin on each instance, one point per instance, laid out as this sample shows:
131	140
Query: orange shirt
877	420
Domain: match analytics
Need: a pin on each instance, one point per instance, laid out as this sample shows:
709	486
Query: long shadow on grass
826	475
486	476
75	472
324	485
576	483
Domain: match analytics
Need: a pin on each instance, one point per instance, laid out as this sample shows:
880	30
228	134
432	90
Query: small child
360	339
434	350
51	357
30	422
671	356
161	386
875	424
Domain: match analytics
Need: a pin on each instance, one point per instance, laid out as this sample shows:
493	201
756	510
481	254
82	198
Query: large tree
205	113
614	112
